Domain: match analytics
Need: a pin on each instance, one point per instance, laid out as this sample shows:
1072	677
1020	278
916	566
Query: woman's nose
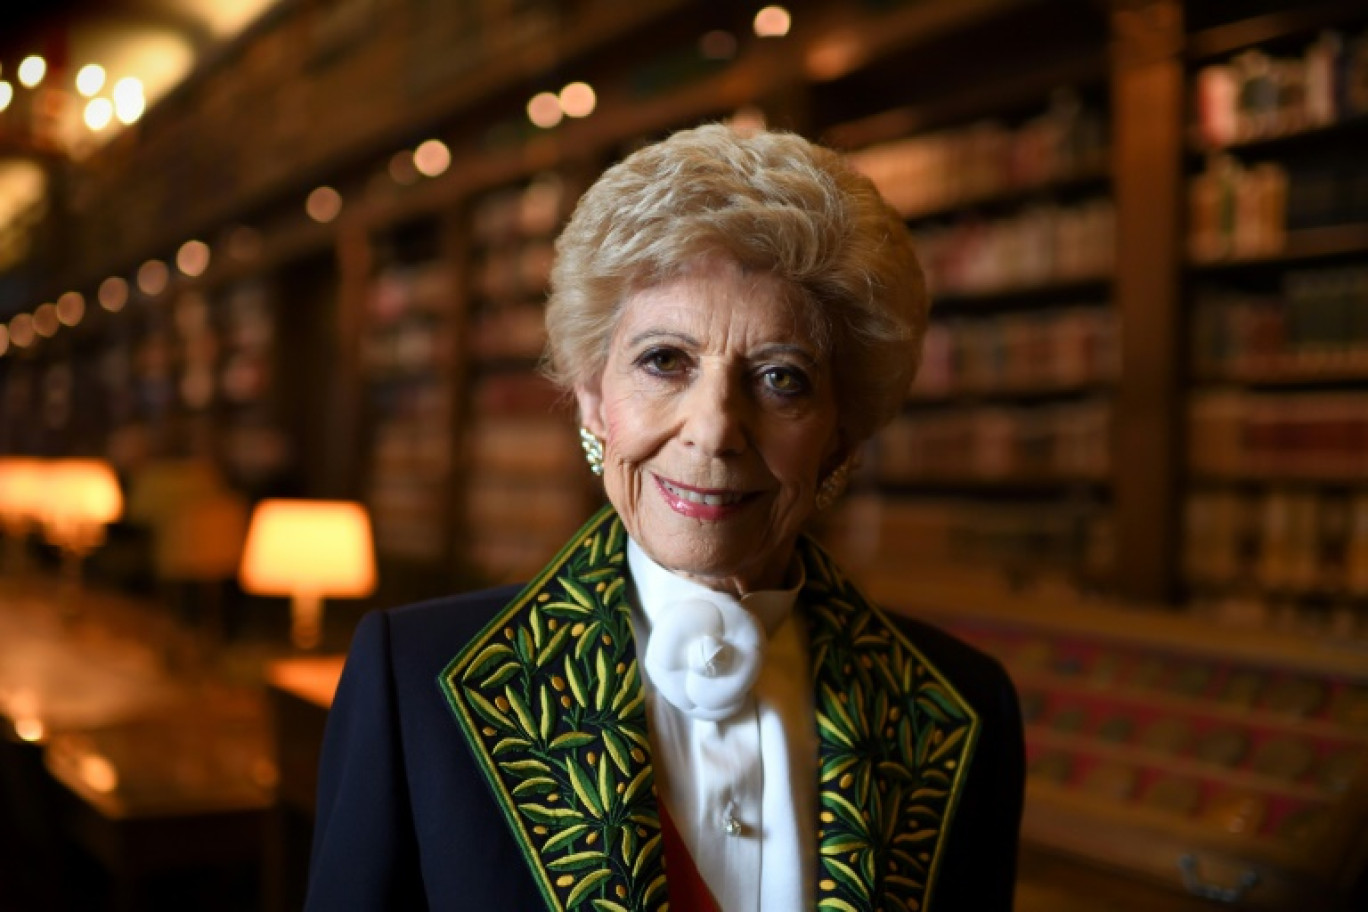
714	415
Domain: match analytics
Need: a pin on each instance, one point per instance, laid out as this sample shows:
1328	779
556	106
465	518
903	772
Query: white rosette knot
704	656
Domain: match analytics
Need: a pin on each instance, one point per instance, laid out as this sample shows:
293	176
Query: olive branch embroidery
563	714
892	737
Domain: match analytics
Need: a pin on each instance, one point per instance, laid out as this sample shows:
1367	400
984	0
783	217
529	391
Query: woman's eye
785	381
663	361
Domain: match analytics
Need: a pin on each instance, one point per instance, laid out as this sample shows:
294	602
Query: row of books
1041	245
1285	539
1058	442
1054	349
1316	322
1255	94
935	171
1237	211
1314	436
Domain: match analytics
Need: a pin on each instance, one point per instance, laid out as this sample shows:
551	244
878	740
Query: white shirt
741	792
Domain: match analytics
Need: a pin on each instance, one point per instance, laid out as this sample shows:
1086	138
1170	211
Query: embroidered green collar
550	697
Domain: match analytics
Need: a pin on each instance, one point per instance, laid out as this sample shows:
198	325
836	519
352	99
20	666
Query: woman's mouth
712	499
697	503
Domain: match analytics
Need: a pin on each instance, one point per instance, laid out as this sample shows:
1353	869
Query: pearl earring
833	486
593	450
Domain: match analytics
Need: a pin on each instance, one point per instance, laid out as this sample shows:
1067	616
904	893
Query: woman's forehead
720	305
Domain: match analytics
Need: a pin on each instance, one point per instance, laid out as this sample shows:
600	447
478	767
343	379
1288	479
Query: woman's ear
589	396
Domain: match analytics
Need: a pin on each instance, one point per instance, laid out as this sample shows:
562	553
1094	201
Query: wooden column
1147	108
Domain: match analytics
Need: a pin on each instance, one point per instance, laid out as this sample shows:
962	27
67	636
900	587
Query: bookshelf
1273	527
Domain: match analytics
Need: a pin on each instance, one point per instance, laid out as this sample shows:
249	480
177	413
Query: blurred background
271	277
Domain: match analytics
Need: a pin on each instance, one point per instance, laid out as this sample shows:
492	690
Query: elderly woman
690	679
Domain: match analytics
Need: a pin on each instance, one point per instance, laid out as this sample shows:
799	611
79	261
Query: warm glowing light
308	550
401	168
113	294
70	308
98	113
6	94
90	79
99	774
544	110
718	44
153	277
578	99
21	330
83	497
29	729
32	70
835	54
4	339
324	204
23	486
45	320
747	120
193	258
772	22
129	100
432	158
128	89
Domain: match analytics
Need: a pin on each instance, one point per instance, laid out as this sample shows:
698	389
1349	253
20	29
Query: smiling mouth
709	499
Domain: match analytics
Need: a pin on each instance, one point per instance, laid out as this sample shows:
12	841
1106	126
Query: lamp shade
21	488
314	547
85	490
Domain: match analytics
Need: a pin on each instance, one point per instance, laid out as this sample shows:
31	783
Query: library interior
272	284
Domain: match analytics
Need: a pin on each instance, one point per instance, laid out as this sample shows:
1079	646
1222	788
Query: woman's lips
700	503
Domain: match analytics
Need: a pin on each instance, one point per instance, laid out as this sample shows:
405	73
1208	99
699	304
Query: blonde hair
771	201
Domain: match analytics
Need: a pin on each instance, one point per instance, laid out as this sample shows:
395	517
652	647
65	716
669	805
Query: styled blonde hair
771	201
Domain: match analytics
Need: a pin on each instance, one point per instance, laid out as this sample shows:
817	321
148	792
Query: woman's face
718	418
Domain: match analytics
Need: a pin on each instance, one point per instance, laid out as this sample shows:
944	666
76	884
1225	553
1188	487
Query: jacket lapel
894	741
550	697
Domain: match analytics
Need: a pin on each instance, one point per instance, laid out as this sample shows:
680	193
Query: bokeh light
153	277
113	294
544	110
71	308
772	22
192	258
90	79
98	113
432	158
31	71
323	205
45	321
21	330
578	99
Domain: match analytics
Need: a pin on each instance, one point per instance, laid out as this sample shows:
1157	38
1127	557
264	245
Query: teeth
711	500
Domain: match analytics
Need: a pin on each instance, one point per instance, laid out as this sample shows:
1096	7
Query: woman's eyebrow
657	334
800	352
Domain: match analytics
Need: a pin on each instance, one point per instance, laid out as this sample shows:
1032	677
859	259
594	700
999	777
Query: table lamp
21	492
308	550
81	497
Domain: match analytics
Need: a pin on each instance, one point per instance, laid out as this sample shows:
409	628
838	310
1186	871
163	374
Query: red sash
688	892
